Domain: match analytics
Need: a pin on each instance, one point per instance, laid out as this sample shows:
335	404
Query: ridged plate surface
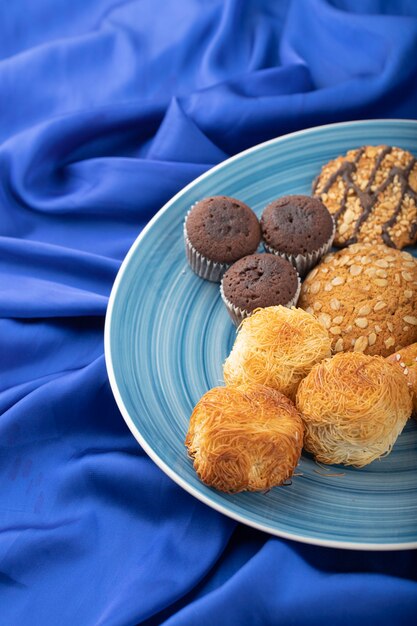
167	335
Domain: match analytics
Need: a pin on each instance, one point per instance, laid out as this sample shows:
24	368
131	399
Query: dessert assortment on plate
325	356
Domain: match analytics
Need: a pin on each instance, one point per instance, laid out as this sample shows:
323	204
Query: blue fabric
107	108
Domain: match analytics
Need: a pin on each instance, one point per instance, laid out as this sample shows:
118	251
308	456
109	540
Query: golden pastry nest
244	438
276	347
354	407
284	389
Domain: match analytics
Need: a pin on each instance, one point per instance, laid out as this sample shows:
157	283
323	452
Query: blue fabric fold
107	109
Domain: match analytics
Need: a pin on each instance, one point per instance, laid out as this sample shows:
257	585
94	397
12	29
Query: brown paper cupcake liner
238	315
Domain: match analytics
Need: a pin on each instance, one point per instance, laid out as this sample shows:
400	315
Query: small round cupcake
258	281
299	228
244	439
217	232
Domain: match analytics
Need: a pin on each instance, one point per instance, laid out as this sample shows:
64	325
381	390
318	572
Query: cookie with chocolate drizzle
372	194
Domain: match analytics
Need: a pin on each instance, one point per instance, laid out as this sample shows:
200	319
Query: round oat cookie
372	194
366	296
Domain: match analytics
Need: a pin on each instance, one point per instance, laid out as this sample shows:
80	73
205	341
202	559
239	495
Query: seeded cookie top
372	194
223	229
366	297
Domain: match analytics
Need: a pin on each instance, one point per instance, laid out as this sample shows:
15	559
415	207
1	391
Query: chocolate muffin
258	281
217	232
299	228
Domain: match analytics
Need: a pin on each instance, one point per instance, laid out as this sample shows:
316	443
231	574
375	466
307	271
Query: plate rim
328	543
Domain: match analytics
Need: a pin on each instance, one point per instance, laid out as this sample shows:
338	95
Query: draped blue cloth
108	108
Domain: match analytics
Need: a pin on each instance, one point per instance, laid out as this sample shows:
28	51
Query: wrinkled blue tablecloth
107	108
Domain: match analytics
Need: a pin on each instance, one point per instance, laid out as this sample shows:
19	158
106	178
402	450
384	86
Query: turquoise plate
167	335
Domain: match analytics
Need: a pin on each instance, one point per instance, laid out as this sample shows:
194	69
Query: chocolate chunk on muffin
299	228
372	194
217	232
258	281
